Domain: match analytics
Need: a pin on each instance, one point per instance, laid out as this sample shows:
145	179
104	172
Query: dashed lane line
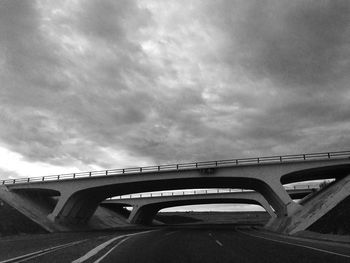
216	241
297	245
219	243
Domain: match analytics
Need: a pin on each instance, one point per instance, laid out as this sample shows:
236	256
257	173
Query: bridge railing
186	166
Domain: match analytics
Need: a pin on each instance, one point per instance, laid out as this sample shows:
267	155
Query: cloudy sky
110	84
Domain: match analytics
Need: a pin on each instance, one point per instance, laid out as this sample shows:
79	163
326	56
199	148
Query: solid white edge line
100	247
41	252
298	245
121	242
109	251
46	252
95	250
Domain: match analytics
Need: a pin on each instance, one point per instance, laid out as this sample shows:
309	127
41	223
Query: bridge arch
317	173
81	205
145	214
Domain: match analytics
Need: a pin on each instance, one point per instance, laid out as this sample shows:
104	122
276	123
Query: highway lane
220	245
22	248
207	244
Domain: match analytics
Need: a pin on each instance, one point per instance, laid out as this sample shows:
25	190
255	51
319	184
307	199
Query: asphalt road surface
168	245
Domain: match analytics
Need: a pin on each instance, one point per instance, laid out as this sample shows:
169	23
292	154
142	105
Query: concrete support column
262	201
55	215
278	197
142	215
74	208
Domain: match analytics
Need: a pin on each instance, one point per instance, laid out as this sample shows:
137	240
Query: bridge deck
187	166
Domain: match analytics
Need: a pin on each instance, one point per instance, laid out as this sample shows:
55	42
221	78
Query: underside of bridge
144	210
81	205
145	214
72	203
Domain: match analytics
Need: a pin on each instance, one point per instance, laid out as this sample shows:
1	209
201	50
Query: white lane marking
219	243
121	242
100	247
109	251
97	249
44	253
41	252
216	241
297	245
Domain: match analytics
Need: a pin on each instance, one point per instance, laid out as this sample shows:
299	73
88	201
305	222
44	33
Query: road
202	244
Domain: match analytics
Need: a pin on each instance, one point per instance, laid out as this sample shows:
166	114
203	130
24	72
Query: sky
88	85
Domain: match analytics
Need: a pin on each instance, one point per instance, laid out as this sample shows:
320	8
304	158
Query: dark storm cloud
111	83
296	43
55	108
301	50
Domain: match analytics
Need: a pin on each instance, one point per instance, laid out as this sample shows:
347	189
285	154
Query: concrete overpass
144	209
79	194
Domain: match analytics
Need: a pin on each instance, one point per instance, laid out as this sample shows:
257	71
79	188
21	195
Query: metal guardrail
185	166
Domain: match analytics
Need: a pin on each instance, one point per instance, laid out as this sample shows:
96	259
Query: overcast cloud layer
108	84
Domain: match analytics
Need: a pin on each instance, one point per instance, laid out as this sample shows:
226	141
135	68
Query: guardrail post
216	163
90	174
177	167
43	178
158	168
304	156
106	172
329	155
258	160
28	180
74	175
123	170
140	169
236	161
14	181
58	177
280	158
196	165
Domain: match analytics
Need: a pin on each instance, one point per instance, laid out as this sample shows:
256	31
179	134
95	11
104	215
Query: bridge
144	208
72	199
